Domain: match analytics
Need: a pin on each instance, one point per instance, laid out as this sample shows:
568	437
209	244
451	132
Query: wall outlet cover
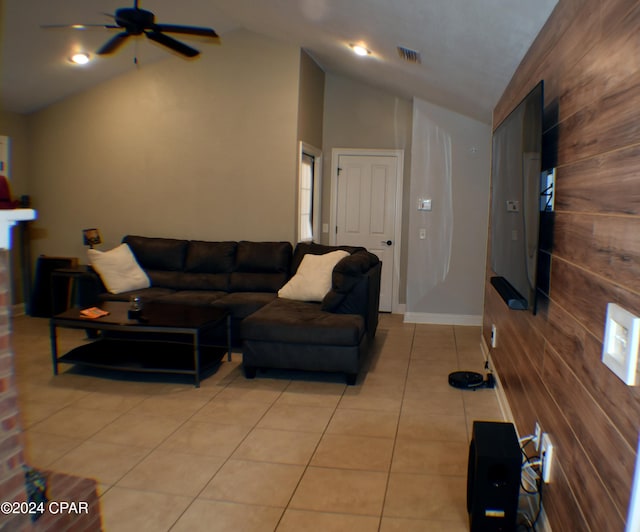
620	346
546	454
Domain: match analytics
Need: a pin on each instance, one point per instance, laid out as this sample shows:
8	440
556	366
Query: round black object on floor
466	379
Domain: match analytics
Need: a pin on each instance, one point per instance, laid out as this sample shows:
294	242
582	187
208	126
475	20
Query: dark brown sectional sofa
244	277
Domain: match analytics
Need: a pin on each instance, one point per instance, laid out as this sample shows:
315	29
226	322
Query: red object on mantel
5	195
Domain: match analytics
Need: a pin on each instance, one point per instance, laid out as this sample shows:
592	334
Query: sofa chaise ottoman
332	335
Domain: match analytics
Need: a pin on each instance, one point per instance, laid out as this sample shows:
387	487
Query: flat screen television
516	192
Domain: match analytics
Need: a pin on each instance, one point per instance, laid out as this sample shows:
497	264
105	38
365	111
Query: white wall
201	149
311	101
450	163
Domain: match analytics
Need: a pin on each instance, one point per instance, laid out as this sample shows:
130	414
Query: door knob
387	242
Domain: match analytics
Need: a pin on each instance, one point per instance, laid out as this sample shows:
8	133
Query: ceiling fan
135	21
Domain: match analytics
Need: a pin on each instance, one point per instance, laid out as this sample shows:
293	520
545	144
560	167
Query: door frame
399	155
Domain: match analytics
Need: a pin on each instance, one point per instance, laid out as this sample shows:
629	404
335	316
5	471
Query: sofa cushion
166	279
158	253
202	281
357	263
289	321
261	266
210	257
189	281
118	269
257	282
304	248
347	274
147	294
242	304
192	297
263	257
312	280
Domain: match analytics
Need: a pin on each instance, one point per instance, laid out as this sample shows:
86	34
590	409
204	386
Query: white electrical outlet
494	336
546	456
537	431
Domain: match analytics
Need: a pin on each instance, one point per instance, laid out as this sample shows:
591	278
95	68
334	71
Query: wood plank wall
588	54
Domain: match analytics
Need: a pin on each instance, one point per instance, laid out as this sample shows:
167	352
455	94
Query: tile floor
285	452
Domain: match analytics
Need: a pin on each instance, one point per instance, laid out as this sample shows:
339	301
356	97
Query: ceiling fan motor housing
134	20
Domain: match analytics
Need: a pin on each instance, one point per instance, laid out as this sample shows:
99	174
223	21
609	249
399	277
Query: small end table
70	277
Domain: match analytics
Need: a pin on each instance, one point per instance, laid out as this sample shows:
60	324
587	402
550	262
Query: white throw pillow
312	281
118	269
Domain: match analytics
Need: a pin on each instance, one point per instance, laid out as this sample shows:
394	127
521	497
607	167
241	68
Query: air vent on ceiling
409	55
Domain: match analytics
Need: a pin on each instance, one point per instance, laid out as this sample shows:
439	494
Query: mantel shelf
8	218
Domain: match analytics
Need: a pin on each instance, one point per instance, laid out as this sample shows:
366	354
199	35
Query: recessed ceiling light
81	58
360	50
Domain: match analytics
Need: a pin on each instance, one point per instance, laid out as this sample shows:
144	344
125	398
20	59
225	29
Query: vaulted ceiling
469	49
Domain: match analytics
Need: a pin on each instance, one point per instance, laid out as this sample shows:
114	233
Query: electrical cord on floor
540	485
531	464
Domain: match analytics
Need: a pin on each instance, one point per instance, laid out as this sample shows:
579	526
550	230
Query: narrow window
309	193
305	224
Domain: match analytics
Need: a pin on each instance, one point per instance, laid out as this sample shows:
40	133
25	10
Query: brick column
12	485
61	487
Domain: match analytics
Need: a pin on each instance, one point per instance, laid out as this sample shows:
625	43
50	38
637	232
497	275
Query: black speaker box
493	477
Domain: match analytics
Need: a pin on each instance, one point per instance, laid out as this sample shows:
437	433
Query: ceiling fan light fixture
80	58
360	50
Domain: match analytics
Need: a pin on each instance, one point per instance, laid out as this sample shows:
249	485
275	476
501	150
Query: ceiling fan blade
77	26
113	44
170	42
186	30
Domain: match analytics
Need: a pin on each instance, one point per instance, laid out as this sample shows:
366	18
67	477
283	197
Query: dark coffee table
168	338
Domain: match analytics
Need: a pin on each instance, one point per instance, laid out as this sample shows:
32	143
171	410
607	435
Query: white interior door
367	189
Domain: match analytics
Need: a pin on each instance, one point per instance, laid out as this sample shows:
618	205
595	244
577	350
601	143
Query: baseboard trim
18	310
507	414
442	319
543	523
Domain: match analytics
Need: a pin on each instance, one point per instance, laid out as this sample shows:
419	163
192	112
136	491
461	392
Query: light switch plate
513	206
620	346
424	204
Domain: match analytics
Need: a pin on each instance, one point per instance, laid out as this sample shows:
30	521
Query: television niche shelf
511	296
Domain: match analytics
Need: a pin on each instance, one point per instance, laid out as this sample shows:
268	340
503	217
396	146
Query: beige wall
190	149
357	115
311	103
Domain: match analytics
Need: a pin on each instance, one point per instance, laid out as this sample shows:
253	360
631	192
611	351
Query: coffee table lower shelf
146	357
